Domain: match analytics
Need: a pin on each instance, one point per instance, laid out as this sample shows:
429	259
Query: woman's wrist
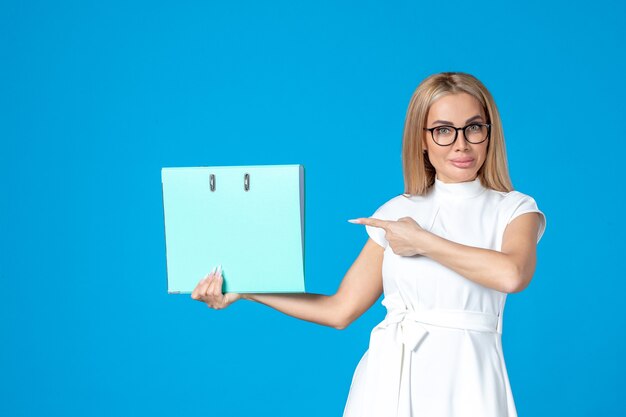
424	242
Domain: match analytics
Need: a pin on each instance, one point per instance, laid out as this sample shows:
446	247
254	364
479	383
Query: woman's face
460	161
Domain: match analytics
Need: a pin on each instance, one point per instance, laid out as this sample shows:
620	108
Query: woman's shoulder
395	204
508	198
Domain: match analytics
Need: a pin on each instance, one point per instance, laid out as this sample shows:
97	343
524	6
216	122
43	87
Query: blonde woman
445	254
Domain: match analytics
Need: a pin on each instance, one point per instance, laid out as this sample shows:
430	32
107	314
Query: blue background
96	97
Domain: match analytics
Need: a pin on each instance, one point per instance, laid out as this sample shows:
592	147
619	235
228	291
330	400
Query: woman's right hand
209	291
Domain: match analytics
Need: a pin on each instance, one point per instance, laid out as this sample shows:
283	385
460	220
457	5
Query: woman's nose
461	143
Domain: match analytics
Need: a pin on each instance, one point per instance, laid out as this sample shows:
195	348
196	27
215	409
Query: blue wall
96	97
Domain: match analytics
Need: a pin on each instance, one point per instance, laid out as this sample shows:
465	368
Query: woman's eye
474	128
443	130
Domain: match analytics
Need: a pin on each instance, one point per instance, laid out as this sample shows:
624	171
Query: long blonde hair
419	173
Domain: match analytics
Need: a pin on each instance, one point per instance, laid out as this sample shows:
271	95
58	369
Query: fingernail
219	270
353	221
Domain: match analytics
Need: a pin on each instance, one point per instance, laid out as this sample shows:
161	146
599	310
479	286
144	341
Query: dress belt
412	330
403	330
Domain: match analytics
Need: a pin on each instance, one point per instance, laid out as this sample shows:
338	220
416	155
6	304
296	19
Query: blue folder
249	219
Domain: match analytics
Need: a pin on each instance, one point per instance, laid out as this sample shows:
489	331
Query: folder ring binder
246	182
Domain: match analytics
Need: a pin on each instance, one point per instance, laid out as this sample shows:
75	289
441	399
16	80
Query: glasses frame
456	132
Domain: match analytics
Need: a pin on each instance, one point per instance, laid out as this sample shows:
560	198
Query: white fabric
438	353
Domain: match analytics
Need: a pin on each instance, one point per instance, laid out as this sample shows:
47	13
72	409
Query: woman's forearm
487	267
316	308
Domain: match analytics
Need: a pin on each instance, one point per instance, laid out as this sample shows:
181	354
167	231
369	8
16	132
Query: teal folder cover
249	219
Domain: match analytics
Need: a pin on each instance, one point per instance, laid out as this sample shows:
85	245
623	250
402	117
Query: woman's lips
462	163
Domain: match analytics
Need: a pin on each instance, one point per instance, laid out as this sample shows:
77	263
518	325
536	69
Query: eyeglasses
474	133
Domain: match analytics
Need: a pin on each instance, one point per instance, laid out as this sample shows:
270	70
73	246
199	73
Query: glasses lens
444	135
476	133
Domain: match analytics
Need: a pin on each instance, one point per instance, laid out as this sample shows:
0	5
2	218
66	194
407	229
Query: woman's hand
405	236
209	291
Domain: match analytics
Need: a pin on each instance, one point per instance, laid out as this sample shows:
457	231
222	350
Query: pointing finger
370	221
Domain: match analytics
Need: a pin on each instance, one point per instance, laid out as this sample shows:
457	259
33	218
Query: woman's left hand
405	236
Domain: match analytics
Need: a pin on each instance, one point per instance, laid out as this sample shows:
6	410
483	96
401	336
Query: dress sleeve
376	233
526	204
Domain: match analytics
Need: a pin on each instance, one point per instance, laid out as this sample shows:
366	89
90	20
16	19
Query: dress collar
458	190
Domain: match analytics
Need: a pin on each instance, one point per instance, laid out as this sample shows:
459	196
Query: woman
446	254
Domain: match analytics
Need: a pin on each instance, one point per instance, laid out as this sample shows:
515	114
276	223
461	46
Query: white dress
438	352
